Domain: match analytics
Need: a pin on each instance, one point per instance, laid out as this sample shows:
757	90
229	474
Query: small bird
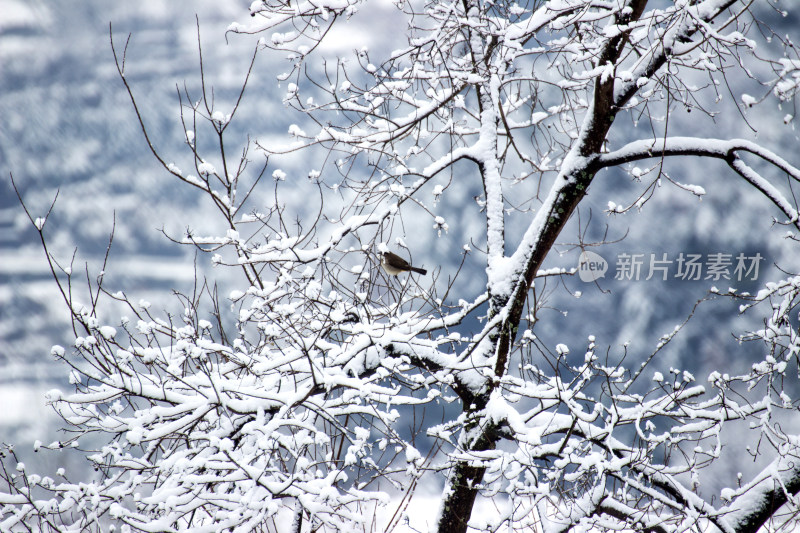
393	264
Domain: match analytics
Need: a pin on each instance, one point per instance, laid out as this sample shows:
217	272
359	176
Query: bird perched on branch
393	264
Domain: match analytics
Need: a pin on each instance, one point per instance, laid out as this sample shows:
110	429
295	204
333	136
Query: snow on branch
323	384
725	150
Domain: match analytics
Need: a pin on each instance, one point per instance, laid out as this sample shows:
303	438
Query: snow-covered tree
326	390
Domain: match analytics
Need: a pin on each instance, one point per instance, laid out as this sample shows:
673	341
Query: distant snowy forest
329	265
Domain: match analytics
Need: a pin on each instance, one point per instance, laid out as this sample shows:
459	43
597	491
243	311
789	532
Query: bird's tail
419	270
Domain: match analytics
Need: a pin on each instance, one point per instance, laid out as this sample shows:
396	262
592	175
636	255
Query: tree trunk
463	482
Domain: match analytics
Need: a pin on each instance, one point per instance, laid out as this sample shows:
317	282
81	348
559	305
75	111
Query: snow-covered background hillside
67	126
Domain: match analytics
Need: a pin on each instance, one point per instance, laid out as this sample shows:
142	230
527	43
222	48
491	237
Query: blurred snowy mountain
67	126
